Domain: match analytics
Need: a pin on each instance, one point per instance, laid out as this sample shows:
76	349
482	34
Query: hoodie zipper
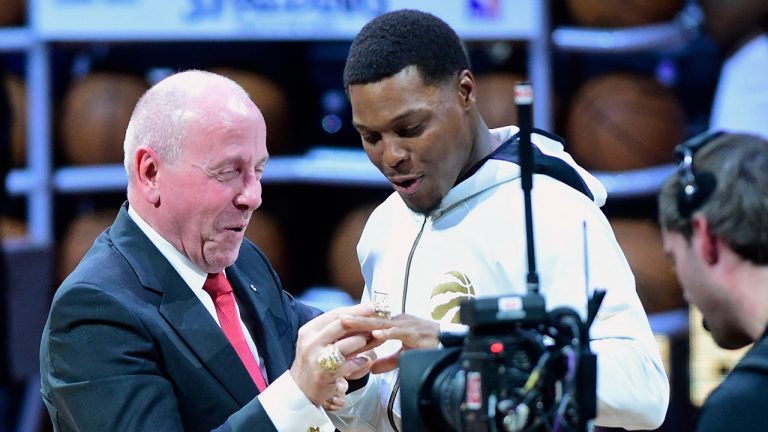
396	386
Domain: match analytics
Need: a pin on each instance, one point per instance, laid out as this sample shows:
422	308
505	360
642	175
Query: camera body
519	368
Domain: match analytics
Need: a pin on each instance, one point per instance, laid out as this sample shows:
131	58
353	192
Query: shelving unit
660	37
666	37
33	180
39	181
54	22
28	296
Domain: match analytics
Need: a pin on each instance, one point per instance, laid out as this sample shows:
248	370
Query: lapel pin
253	288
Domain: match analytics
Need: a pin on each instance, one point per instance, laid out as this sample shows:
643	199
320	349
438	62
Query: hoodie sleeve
632	386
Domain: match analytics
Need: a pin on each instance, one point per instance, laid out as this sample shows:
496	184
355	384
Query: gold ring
381	310
331	359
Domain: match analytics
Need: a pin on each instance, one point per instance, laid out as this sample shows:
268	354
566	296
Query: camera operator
455	228
714	216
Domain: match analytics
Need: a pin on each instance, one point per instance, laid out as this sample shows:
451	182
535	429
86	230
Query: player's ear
467	88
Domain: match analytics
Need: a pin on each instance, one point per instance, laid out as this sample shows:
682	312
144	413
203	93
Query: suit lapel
183	310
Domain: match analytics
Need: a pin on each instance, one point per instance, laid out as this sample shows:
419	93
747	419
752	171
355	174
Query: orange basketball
12	228
734	22
79	237
656	282
623	13
624	121
343	266
17	95
267	233
272	102
496	98
95	114
12	12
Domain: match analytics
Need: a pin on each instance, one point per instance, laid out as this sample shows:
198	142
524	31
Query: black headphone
695	188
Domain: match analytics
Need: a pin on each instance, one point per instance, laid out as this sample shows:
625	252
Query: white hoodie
474	244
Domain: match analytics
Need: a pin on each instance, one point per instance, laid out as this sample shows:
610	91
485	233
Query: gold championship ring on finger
381	306
381	310
331	359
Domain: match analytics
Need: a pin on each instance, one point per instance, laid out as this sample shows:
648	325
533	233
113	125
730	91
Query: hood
496	171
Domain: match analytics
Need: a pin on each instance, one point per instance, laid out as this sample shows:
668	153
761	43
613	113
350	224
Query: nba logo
484	8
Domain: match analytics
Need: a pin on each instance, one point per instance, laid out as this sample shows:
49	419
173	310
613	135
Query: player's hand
413	332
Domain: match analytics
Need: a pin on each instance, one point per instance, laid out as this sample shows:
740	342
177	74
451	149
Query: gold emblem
447	294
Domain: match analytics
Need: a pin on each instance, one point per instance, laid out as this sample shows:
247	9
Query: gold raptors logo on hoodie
446	295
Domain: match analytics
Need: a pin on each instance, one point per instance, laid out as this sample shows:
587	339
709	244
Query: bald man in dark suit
137	339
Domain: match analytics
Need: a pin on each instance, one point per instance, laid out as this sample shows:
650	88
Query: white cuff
289	408
455	328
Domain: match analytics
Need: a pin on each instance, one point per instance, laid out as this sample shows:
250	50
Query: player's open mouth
404	184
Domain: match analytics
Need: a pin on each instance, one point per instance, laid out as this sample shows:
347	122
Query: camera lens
448	393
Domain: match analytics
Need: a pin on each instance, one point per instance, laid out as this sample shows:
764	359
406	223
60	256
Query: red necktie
217	286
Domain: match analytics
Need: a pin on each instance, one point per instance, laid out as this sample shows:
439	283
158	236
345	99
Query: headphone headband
695	188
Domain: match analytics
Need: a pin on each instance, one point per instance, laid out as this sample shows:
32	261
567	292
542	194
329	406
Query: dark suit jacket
128	346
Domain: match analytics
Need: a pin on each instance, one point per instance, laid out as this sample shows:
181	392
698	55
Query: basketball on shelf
95	113
732	22
12	228
496	98
623	13
12	12
267	233
78	238
17	98
271	100
343	267
656	282
624	121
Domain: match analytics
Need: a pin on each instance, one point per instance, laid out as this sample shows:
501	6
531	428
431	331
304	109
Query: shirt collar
193	276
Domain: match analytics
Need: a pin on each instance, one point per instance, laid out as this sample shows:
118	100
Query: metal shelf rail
53	21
